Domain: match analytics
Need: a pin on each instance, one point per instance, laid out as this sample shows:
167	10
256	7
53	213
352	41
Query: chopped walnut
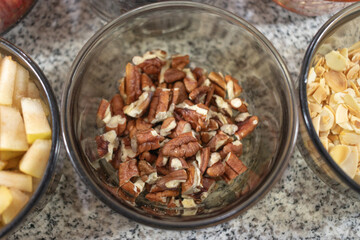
172	132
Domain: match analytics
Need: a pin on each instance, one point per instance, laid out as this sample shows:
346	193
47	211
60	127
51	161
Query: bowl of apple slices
29	138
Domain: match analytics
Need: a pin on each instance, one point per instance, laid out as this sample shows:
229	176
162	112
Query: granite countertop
298	206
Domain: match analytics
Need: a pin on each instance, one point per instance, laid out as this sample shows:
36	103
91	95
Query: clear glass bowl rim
56	137
335	21
269	181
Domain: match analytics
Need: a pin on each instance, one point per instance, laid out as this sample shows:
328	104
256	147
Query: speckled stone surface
298	206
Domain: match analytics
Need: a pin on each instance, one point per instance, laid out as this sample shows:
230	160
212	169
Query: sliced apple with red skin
12	130
36	123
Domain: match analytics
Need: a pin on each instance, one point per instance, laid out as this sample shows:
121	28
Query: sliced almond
349	165
344	52
336	80
341	114
319	70
349	137
336	61
327	119
356	90
353	72
340	153
316	123
350	102
311	88
325	142
320	94
315	107
355	123
312	75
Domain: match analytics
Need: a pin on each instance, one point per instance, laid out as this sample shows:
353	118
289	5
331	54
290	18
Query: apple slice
7	80
32	91
12	130
12	164
6	198
7	155
21	86
19	199
36	123
35	159
16	180
2	165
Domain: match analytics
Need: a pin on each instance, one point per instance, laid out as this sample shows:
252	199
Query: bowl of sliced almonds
329	87
179	115
29	138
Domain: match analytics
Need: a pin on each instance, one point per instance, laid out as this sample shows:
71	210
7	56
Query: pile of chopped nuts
173	132
334	105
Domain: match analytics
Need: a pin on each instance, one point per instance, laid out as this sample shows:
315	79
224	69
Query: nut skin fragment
148	140
117	123
238	104
182	95
205	157
198	72
179	175
130	189
197	120
235	147
190	84
172	75
182	127
147	156
117	105
103	114
206	136
132	83
235	163
139	107
102	146
180	62
229	174
127	170
161	107
200	92
218	141
193	182
185	145
145	168
246	127
237	88
168	125
151	66
174	162
216	170
146	83
161	197
118	193
219	91
217	79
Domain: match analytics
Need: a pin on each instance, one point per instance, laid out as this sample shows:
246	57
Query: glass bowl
48	183
342	30
12	11
313	7
214	39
